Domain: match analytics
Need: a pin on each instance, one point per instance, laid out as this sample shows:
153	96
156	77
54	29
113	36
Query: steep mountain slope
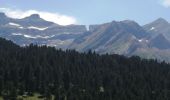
160	42
127	38
114	37
153	53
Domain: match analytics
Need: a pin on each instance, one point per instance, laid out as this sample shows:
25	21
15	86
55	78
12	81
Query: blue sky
91	11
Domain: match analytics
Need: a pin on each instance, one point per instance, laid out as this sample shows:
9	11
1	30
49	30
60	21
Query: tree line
70	75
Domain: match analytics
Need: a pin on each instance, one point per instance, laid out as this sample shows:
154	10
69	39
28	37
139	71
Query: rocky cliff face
34	29
114	36
127	38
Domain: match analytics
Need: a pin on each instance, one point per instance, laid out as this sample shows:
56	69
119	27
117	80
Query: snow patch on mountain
38	36
38	28
21	27
29	36
33	37
16	34
152	28
140	40
143	40
14	24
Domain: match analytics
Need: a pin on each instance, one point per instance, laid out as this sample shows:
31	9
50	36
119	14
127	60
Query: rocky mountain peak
161	20
33	17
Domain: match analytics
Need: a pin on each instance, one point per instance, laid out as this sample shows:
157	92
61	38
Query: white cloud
54	17
166	3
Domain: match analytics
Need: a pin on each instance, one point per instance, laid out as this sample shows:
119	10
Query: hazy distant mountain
34	29
120	37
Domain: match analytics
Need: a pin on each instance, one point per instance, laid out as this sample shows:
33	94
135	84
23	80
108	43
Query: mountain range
117	37
34	29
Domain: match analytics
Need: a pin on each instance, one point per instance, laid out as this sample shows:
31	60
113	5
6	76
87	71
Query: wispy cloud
54	17
166	3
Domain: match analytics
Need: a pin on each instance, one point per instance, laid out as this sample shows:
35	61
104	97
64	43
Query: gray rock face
160	42
111	37
127	38
159	26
